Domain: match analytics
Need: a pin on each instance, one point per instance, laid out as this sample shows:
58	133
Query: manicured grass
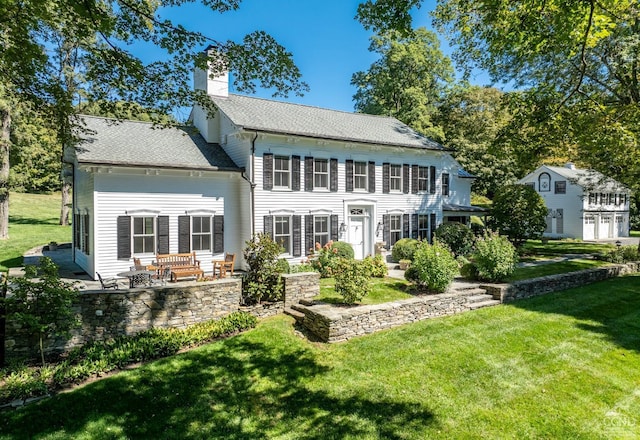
541	270
564	365
33	221
554	247
382	290
634	233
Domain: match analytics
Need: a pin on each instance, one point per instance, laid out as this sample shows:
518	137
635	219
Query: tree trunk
5	143
65	202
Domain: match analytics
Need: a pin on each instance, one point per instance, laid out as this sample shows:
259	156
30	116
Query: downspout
252	184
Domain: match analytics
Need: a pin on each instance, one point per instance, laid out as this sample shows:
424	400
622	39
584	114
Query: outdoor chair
229	262
109	283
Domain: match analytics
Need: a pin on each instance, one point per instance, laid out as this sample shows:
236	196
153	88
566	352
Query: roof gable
133	143
590	180
271	116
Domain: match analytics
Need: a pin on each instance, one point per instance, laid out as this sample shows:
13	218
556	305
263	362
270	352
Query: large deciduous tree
54	51
408	80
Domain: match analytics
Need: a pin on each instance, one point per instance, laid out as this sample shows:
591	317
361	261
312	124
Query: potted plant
53	246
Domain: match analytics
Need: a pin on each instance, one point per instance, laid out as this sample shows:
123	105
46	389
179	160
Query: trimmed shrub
352	279
404	249
457	236
262	280
324	258
434	267
623	254
495	258
376	266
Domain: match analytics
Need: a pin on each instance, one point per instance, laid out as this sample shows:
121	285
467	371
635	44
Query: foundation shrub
262	281
352	279
376	266
495	258
324	257
434	267
404	249
458	237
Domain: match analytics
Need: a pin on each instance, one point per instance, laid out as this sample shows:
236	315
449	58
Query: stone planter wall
553	283
299	286
107	314
335	324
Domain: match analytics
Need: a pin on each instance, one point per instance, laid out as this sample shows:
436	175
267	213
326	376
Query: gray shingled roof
111	142
589	179
294	119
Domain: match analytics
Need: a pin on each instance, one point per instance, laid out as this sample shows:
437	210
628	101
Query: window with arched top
544	182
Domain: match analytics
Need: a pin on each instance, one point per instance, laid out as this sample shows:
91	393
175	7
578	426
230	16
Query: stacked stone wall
554	283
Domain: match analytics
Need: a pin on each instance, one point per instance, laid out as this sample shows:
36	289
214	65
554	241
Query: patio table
138	277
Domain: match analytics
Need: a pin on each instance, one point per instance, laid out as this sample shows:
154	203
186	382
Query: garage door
589	227
605	230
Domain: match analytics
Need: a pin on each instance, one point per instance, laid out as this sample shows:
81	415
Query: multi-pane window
423	179
423	226
282	232
561	187
321	173
201	233
321	229
281	172
144	235
395	178
592	199
395	228
445	184
360	176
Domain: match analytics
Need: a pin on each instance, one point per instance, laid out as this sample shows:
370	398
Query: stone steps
297	315
487	303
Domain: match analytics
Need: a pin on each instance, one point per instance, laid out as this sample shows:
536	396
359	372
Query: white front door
359	231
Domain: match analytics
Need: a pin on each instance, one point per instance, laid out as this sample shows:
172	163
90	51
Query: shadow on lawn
19	220
236	389
611	308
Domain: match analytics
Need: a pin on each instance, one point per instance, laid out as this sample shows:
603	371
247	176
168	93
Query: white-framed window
201	233
320	174
395	228
589	220
395	178
282	232
619	219
360	177
321	229
423	179
423	226
144	235
445	184
281	172
560	187
544	182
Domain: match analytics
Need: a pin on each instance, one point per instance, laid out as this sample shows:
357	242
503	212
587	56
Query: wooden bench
182	265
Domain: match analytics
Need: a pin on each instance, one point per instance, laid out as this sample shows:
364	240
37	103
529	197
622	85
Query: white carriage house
302	174
582	203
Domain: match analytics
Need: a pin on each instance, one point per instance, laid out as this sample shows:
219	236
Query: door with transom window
359	230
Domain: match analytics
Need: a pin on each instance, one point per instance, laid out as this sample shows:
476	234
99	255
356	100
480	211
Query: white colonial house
302	174
582	203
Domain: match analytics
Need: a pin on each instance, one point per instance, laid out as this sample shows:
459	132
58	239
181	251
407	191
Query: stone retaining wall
299	286
107	314
554	283
335	324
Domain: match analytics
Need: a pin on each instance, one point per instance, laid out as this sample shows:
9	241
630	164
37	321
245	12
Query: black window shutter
218	234
432	226
268	225
405	179
432	180
163	234
405	225
297	235
414	225
86	232
308	173
124	237
334	227
386	176
333	175
76	231
308	234
184	234
295	173
415	173
348	168
267	171
372	177
386	230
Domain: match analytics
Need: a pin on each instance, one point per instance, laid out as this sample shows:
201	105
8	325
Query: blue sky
327	43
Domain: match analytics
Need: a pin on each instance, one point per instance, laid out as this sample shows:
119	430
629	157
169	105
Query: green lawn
541	270
33	221
382	290
564	365
554	247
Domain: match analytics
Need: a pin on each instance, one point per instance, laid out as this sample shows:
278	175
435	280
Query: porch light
343	228
379	229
